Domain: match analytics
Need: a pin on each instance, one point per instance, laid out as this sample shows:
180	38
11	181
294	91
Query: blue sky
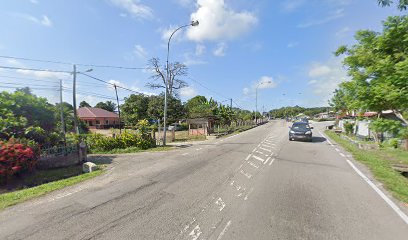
285	46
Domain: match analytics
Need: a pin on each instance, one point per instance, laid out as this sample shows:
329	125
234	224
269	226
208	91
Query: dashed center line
265	149
224	230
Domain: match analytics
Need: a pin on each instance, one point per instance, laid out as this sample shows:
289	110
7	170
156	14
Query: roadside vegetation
380	162
11	198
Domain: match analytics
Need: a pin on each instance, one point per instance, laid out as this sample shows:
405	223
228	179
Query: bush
348	127
394	142
16	157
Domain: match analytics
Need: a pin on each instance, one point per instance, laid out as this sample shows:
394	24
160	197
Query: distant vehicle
304	120
174	126
300	131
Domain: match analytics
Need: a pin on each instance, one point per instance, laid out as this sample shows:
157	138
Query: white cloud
218	22
43	74
188	92
45	21
135	8
192	60
339	13
166	33
220	50
291	5
292	44
34	1
319	70
123	15
326	77
140	51
342	32
265	82
200	49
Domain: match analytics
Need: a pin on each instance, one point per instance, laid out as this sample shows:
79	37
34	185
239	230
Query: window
97	122
106	122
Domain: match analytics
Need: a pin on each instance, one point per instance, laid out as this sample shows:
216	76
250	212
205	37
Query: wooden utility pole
117	100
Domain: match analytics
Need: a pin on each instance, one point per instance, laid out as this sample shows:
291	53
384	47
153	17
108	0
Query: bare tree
174	84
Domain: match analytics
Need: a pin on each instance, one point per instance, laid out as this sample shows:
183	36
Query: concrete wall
58	161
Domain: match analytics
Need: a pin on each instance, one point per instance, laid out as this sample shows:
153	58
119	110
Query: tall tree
108	106
175	108
174	83
84	104
402	4
378	65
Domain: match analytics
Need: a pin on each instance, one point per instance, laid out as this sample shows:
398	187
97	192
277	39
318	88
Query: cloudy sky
283	47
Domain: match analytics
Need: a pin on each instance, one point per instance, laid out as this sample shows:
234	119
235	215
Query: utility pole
231	103
117	100
62	116
74	73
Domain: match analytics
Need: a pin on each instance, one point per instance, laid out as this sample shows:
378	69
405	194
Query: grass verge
132	150
12	198
379	165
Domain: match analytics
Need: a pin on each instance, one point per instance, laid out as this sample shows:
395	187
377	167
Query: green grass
380	162
132	150
12	198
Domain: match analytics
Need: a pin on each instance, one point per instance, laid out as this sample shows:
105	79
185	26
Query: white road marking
261	153
254	150
184	154
390	203
246	196
253	164
198	149
267	160
195	233
246	174
232	183
265	149
258	158
246	159
220	203
270	163
341	154
224	230
338	150
403	216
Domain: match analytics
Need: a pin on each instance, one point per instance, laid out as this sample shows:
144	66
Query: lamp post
256	98
193	24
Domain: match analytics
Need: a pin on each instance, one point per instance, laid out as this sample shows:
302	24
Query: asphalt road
255	185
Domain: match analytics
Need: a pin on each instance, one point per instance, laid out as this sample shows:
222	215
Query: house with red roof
98	118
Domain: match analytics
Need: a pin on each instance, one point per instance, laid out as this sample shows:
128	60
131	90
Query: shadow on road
319	139
101	159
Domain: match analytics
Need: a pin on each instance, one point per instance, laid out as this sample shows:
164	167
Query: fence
58	156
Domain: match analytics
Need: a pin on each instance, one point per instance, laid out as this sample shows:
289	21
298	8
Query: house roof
89	112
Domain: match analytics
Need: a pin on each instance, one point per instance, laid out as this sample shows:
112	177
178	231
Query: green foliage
382	125
402	4
403	134
101	143
108	106
394	142
378	66
84	104
349	127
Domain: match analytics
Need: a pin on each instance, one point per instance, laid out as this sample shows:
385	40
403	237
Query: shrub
394	142
348	127
16	157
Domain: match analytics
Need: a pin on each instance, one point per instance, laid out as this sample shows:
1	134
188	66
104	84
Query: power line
79	64
34	69
202	85
98	79
29	79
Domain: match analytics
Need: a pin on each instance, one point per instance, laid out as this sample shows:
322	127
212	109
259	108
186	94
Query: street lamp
74	73
193	24
256	98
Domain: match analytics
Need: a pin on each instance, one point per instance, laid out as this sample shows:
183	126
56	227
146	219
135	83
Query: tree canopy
378	66
84	104
402	4
108	106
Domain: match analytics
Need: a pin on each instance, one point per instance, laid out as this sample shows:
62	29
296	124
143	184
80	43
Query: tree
378	65
22	114
402	4
174	83
134	109
108	106
84	104
175	109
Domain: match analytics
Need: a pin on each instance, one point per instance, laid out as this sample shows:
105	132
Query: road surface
255	185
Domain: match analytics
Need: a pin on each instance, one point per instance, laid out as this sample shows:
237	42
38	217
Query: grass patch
132	150
12	198
380	162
